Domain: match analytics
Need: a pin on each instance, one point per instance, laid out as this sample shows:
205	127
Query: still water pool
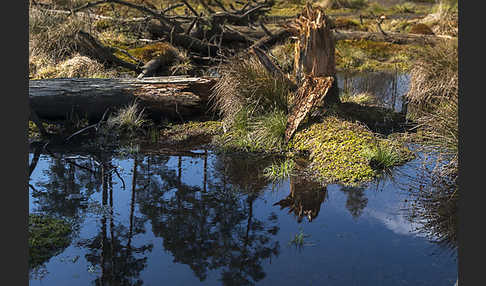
200	218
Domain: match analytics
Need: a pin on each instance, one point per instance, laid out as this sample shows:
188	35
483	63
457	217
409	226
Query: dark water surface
387	88
190	219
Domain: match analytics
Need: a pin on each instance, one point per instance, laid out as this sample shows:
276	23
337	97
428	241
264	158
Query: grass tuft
278	171
382	157
130	118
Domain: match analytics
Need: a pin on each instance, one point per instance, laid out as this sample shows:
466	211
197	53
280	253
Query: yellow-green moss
349	24
194	132
364	55
337	150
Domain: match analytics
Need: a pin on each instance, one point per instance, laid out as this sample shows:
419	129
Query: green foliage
382	157
47	237
336	150
279	170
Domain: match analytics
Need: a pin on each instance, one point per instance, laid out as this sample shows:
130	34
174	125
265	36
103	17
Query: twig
188	31
265	29
220	5
119	177
190	8
96	125
172	7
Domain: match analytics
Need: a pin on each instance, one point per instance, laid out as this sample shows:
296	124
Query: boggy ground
342	145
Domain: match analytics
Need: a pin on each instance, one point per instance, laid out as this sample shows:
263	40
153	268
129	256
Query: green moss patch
338	150
193	133
364	55
47	238
349	24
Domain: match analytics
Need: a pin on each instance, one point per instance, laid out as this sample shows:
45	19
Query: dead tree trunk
315	66
173	97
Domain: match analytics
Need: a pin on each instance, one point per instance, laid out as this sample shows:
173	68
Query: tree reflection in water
213	227
305	198
356	201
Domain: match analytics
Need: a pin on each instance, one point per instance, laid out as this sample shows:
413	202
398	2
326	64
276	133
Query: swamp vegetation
346	143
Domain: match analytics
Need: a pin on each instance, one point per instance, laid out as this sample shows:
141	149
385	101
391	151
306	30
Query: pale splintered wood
311	92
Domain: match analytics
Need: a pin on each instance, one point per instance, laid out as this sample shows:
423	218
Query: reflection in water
305	198
387	88
213	228
434	205
356	201
111	248
217	224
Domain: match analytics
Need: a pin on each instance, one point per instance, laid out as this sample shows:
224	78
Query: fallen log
172	97
392	37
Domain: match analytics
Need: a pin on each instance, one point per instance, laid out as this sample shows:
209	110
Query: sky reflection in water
213	220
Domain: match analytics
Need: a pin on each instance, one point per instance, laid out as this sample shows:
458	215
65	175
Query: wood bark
173	97
315	66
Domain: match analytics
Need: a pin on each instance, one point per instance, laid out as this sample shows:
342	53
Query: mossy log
172	97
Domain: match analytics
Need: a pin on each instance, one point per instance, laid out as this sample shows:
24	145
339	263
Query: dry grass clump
434	76
77	66
53	35
245	84
434	88
254	106
434	94
131	118
444	19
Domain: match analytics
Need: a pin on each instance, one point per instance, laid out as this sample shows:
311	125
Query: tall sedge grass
253	104
382	157
434	95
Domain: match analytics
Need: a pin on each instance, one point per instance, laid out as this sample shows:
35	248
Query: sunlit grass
279	170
